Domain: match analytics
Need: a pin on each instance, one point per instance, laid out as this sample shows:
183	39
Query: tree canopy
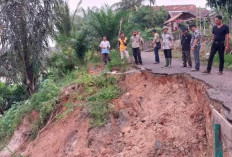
25	29
220	3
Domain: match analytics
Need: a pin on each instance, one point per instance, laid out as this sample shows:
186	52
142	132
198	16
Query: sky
99	3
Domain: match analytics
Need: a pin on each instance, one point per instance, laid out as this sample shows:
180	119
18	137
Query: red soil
156	116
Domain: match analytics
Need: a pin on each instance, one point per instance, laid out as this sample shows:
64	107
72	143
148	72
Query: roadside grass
117	63
228	59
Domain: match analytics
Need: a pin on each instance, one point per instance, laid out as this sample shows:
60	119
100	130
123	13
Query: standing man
122	42
135	41
167	45
220	43
185	43
157	46
105	50
196	46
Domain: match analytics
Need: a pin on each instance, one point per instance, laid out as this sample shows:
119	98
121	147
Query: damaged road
220	90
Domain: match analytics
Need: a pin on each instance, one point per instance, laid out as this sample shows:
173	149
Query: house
175	22
178	14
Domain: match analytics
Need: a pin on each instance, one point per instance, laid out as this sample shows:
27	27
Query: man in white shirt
135	41
167	45
105	50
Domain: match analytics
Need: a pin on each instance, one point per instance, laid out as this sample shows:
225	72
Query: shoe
156	63
194	70
190	66
184	66
141	63
220	73
206	72
165	66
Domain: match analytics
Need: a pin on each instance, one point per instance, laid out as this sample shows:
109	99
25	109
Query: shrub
63	62
43	102
11	94
116	61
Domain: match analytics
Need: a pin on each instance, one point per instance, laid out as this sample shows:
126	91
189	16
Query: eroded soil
156	116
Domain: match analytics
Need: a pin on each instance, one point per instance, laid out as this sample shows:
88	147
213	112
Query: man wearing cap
185	43
167	45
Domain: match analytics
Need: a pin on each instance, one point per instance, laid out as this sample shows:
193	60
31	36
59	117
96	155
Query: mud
166	116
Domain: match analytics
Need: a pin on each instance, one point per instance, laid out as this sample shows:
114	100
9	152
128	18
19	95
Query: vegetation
140	21
221	3
11	94
132	5
26	26
35	76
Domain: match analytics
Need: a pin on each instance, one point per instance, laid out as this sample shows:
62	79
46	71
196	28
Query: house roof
189	8
176	9
185	16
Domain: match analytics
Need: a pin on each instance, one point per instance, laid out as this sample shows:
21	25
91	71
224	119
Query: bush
116	62
11	94
43	102
63	62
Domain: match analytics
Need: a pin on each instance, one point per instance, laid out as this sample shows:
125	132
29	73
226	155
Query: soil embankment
156	116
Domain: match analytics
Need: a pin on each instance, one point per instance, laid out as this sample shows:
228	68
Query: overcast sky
99	3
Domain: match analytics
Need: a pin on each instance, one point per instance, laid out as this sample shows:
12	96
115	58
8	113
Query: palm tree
151	2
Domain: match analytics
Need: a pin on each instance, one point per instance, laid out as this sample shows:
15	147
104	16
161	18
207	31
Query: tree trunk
150	15
1	111
29	71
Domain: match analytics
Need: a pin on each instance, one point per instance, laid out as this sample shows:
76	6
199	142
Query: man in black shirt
185	42
220	43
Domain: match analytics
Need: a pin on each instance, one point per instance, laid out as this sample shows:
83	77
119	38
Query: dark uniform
186	55
218	45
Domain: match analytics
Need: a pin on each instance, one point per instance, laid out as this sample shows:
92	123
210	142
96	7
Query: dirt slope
155	117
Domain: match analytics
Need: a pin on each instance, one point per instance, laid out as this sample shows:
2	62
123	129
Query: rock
126	130
114	72
194	141
129	148
159	152
143	121
201	133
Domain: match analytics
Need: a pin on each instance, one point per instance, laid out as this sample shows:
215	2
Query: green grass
228	61
116	62
97	96
100	90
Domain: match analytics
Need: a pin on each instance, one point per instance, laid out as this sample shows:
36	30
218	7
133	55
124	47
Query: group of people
136	42
189	42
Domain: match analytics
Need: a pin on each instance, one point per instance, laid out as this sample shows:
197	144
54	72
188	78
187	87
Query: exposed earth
157	116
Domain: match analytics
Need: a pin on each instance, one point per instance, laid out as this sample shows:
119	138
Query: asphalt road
221	84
